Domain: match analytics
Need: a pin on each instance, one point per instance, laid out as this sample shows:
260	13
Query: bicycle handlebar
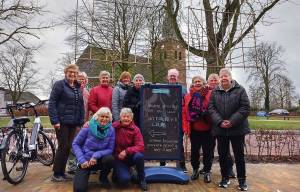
21	106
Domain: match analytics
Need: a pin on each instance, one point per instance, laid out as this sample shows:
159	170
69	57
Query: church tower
171	54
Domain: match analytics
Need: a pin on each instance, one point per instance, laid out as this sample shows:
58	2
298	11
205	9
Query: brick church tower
171	54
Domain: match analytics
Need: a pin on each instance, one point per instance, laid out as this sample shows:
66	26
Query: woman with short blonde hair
119	93
66	112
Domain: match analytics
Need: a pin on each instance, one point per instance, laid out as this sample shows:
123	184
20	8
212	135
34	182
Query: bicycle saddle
21	120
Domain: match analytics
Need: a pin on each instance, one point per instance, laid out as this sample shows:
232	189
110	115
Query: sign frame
163	89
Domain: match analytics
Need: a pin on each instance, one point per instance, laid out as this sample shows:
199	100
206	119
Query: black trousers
64	135
237	143
229	161
204	140
81	179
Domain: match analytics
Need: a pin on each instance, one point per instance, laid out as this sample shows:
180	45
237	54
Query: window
175	55
180	57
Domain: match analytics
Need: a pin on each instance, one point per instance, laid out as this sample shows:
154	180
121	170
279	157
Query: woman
93	147
197	124
129	150
101	95
132	98
119	93
82	78
229	108
213	82
66	112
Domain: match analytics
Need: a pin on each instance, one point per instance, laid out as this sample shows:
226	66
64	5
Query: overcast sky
285	31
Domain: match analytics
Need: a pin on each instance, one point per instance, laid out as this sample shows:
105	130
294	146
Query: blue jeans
122	168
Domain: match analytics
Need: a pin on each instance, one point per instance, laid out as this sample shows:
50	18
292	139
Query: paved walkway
261	178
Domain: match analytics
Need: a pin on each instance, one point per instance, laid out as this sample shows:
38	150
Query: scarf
97	130
196	110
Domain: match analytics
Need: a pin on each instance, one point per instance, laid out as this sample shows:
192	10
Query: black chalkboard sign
161	121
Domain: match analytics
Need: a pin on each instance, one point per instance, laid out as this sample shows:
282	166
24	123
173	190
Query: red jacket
200	125
100	97
128	138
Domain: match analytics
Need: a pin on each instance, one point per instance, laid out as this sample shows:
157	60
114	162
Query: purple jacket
86	146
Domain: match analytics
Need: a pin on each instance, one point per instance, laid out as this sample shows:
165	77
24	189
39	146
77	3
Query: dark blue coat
64	107
86	146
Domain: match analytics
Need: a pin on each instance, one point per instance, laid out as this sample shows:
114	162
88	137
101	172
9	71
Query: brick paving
261	178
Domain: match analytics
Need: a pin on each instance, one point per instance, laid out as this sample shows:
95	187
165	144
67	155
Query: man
172	77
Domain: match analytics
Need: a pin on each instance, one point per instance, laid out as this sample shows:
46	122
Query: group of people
217	110
111	138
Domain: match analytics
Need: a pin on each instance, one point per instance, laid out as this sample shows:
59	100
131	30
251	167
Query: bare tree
110	25
18	20
270	67
256	95
221	23
153	34
283	92
17	70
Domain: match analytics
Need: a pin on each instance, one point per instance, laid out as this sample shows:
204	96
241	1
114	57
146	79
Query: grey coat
232	105
117	99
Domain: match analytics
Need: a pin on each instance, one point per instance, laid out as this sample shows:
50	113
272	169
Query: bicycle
17	149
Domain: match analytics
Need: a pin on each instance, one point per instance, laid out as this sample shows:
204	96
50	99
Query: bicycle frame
32	144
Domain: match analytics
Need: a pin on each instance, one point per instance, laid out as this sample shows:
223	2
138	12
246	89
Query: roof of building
25	97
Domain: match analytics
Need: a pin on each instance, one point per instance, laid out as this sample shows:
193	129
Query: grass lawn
255	123
274	123
45	121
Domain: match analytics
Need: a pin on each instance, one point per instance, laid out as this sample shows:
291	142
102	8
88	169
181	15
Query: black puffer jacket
232	105
66	104
132	100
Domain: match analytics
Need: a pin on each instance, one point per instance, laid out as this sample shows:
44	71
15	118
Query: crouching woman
128	150
93	147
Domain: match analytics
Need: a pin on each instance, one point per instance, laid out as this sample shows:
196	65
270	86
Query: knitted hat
138	76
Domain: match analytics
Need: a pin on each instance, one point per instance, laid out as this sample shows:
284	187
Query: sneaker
67	177
207	177
224	183
143	185
195	174
57	178
201	171
104	182
243	185
231	174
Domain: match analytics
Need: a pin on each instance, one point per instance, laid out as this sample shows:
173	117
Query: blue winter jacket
87	146
65	106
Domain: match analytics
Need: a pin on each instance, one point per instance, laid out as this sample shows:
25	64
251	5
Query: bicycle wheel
45	151
14	164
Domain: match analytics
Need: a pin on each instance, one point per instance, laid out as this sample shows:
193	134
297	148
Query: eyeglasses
74	72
